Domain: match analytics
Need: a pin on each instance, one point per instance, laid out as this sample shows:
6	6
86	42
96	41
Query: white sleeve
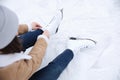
29	27
43	36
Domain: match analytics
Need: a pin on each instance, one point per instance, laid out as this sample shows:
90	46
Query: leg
28	39
53	70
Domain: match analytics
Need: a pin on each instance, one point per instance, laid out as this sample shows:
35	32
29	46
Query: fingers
46	33
36	25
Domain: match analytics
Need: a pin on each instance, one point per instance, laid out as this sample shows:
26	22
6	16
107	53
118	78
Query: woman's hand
46	33
35	26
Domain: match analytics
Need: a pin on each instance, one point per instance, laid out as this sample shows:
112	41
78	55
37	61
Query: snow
95	19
